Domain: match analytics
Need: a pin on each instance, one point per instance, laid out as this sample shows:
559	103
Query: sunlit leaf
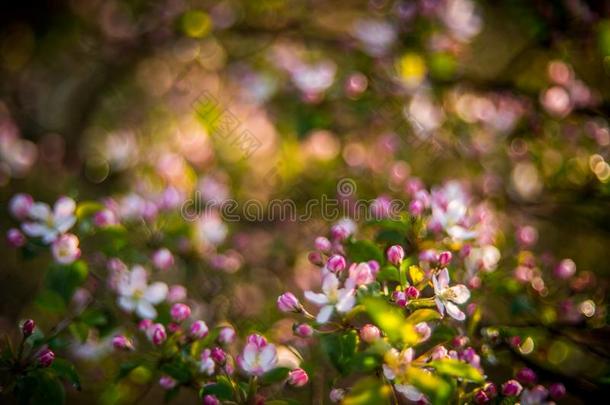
457	368
368	391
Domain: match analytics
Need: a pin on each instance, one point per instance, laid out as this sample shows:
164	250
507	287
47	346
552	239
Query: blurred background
165	100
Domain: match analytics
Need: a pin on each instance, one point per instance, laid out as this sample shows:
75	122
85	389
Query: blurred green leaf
423	315
66	371
363	251
368	391
340	349
388	273
178	370
275	375
391	320
457	368
222	389
434	387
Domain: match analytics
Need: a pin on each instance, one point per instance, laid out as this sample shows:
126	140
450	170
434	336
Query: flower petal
461	293
138	278
443	279
388	372
330	284
316	298
127	303
268	357
409	391
440	306
324	314
454	311
64	207
40	211
156	292
145	310
346	300
63	224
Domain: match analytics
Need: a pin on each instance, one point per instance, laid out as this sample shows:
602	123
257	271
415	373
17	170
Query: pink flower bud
163	259
167	383
557	391
218	355
423	330
15	238
298	377
323	244
460	341
480	397
226	335
526	376
104	218
176	293
20	205
65	249
315	258
400	297
337	394
210	400
45	358
370	333
173	327
303	330
511	388
287	302
395	254
374	266
145	324
444	258
565	269
121	342
336	263
439	352
412	292
491	390
180	312
416	208
199	330
527	236
28	328
158	334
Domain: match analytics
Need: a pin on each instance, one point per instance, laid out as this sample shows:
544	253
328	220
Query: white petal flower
447	297
332	297
136	295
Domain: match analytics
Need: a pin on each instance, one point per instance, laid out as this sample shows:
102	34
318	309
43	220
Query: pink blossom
45	357
511	388
206	364
337	394
565	269
19	205
163	259
258	356
370	333
298	377
28	327
105	218
446	297
400	297
199	330
526	376
336	263
15	238
176	293
227	335
121	342
395	255
444	258
219	355
210	400
287	302
65	249
167	383
180	312
332	297
557	391
361	274
323	244
157	334
412	292
47	224
303	330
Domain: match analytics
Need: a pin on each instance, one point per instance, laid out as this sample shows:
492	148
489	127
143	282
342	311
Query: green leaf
126	368
388	273
391	320
275	375
221	389
86	209
368	391
178	370
340	349
50	301
40	387
423	315
434	387
65	279
363	251
457	368
66	371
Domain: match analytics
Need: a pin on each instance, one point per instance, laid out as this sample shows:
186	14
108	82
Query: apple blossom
370	333
210	400
157	334
28	327
361	273
511	388
163	259
105	218
167	383
180	312
287	302
336	263
395	255
323	244
47	224
136	295
15	238
333	297
122	343
198	330
337	394
45	357
444	258
65	249
303	330
219	355
298	377
176	293
227	335
258	356
446	297
526	376
20	205
557	391
206	363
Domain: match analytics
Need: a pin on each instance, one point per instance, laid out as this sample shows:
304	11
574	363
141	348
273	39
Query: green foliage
340	348
363	251
368	391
